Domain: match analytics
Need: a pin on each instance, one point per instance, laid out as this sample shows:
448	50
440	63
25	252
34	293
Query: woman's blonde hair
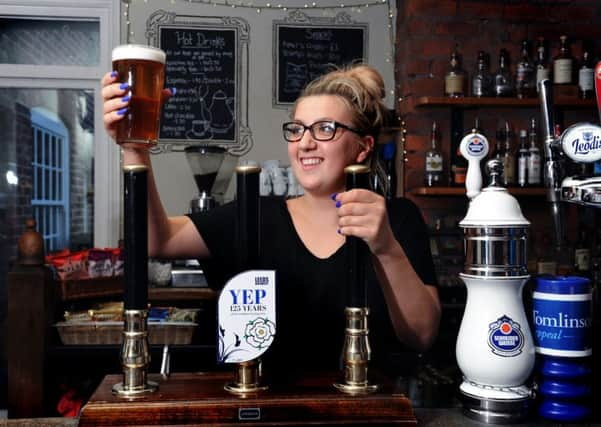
361	88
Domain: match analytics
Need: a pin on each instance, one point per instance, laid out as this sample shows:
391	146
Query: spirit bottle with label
456	77
585	73
525	78
534	159
523	155
503	83
542	62
482	80
563	64
508	158
434	167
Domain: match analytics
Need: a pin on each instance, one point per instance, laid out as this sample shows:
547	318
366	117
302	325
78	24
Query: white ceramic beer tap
494	349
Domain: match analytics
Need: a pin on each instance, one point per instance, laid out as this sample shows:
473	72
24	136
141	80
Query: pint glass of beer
143	68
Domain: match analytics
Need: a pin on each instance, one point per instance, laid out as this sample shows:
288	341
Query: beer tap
553	170
135	357
356	351
580	142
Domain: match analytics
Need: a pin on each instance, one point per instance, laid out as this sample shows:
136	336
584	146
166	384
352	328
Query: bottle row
522	80
521	163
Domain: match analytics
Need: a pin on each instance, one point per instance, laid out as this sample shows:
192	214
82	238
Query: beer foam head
138	51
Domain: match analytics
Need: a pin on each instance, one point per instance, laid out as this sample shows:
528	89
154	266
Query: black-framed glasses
323	130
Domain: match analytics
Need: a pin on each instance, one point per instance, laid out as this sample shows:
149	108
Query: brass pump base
135	356
248	379
356	353
149	387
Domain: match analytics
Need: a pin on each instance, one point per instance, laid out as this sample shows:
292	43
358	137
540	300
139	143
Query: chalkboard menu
201	65
304	52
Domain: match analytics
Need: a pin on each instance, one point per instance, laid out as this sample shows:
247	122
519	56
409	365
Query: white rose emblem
259	333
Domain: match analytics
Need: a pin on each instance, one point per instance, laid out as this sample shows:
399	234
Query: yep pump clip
474	147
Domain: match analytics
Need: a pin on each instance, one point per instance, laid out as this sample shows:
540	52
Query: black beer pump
356	351
135	356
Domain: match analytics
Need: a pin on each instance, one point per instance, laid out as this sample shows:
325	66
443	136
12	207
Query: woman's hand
362	213
115	96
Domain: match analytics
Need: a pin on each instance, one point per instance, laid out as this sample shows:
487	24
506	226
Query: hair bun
370	78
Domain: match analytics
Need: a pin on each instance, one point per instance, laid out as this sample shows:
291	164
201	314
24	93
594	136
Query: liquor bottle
523	155
459	168
433	160
388	161
542	62
508	158
585	74
582	255
482	80
563	64
499	144
503	83
456	78
525	78
534	159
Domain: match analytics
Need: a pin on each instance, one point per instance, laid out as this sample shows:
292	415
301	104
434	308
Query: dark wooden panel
199	398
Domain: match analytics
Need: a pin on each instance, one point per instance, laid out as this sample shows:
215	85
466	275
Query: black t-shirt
310	291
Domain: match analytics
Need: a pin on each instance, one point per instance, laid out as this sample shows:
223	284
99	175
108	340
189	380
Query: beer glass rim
138	51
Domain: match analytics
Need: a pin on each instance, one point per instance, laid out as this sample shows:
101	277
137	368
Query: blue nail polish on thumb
113	74
173	91
333	196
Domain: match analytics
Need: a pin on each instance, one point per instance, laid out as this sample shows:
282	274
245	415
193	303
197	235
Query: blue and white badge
505	337
247	324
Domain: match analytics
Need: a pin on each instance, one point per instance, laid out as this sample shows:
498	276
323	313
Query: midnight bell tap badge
247	324
505	337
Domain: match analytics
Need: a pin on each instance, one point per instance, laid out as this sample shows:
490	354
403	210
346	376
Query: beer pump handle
135	178
474	147
247	224
357	176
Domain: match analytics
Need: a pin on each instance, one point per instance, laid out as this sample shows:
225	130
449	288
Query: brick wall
427	32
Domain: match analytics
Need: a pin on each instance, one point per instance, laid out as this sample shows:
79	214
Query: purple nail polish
122	111
338	231
123	85
338	204
333	196
173	91
113	74
125	99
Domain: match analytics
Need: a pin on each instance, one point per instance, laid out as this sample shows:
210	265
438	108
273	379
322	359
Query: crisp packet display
100	262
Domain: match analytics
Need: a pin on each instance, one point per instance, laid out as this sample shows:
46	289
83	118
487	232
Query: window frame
107	173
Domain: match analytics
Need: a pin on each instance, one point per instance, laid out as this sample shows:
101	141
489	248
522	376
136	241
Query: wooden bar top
200	399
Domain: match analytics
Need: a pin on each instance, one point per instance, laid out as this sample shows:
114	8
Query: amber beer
143	68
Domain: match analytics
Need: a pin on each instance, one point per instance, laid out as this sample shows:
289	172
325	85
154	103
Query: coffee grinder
212	167
495	349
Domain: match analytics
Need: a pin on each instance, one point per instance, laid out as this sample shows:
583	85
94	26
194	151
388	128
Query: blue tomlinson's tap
563	319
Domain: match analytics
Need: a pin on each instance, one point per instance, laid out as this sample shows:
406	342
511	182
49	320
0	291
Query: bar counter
183	397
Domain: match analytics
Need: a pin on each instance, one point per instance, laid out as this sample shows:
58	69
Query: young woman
334	124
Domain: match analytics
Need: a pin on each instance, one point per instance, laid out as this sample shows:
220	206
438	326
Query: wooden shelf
465	102
181	294
72	290
460	191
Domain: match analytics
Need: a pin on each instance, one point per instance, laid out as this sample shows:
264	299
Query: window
53	54
50	171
